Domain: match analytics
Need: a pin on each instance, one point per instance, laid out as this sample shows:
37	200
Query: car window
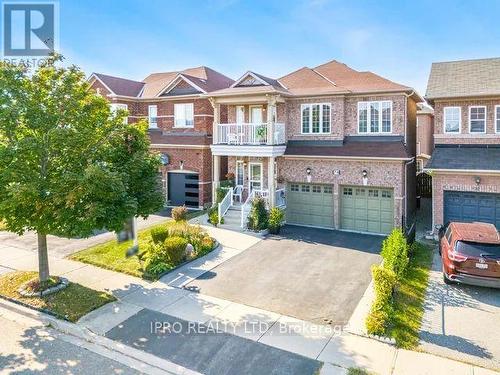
478	249
448	235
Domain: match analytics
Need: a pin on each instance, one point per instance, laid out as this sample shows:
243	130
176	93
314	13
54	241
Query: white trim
100	80
380	117
250	120
485	118
236	114
344	157
459	119
328	79
261	165
497	119
247	150
175	81
242	163
310	105
248	73
114	107
463	171
165	145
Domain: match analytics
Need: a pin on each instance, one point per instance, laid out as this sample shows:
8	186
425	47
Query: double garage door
183	189
470	206
361	209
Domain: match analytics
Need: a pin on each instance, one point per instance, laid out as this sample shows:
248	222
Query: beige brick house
333	145
180	121
425	135
465	164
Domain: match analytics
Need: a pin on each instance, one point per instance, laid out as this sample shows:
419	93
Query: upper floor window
452	119
153	116
477	119
315	118
375	117
184	115
117	106
497	118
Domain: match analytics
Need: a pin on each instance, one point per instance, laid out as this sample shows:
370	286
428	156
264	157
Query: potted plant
276	219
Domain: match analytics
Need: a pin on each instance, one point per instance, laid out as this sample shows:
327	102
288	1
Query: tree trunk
43	258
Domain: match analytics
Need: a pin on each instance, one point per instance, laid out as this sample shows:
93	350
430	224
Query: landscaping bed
400	284
70	303
162	248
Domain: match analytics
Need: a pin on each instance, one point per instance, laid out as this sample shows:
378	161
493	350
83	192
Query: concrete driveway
461	322
310	274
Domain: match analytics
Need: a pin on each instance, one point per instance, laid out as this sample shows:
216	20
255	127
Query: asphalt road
311	274
34	350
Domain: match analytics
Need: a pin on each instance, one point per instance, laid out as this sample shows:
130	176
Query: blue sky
396	39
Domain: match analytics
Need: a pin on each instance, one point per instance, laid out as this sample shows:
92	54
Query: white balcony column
271	181
215	129
271	118
216	177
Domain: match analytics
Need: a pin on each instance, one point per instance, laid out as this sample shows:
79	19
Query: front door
256	115
255	176
240	173
240	114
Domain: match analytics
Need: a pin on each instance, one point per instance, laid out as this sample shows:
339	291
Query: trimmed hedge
258	218
384	281
395	251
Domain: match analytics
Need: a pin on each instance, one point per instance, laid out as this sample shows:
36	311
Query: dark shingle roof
366	147
121	86
464	78
465	157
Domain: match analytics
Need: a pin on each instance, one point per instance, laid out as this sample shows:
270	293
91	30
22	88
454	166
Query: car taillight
456	257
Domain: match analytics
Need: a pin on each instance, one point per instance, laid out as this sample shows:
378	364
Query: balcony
250	134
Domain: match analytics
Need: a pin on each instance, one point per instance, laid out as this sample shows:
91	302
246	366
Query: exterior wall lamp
477	179
365	177
182	164
308	174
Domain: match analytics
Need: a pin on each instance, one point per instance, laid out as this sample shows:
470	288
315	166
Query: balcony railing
251	134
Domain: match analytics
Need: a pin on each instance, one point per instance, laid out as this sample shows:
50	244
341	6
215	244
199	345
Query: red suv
470	254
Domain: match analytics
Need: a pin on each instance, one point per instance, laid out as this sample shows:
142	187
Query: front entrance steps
232	219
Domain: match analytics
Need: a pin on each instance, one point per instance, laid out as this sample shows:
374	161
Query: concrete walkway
337	348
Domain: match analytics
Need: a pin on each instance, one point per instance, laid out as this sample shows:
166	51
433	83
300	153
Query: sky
396	39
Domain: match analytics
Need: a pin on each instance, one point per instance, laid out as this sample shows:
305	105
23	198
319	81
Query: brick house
465	164
180	119
334	145
425	135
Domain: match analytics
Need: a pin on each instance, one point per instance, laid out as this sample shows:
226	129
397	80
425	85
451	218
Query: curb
159	365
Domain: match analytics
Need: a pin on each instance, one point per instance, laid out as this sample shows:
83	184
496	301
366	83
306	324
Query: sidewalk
167	299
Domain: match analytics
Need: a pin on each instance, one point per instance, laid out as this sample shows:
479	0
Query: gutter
346	157
490	171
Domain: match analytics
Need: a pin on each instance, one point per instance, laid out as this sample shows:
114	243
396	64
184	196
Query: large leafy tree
68	165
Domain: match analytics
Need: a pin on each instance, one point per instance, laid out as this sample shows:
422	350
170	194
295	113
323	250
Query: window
294	187
184	115
448	235
305	188
152	116
240	173
497	118
119	106
452	119
315	118
375	117
373	193
327	190
420	166
386	194
477	119
316	189
347	191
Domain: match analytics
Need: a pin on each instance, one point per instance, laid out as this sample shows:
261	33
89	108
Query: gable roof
306	81
119	86
464	78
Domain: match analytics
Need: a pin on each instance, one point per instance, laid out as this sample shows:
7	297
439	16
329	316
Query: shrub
206	245
179	213
155	261
395	253
213	216
175	249
276	216
159	234
258	218
221	193
378	319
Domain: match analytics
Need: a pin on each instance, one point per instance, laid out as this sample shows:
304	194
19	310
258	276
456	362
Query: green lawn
70	303
111	254
409	298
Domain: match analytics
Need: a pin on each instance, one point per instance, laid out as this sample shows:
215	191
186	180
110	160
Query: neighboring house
465	164
180	121
337	145
425	135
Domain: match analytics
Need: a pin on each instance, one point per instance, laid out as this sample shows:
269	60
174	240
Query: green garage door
309	204
367	209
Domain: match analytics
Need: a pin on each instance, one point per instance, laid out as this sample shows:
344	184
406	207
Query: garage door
310	204
366	209
469	206
183	189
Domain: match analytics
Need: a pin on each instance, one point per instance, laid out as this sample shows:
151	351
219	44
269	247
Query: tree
68	165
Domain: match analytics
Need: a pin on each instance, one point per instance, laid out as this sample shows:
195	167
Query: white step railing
225	204
250	134
245	209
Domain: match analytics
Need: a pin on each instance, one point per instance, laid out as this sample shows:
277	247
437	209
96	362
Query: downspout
406	188
406	113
